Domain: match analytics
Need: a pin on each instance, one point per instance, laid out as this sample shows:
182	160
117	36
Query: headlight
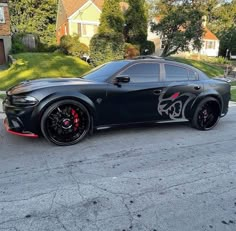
24	100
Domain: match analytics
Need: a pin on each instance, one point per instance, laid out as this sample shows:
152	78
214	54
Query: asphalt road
167	177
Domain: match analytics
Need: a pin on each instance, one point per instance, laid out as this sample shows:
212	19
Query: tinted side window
175	73
193	75
101	73
143	72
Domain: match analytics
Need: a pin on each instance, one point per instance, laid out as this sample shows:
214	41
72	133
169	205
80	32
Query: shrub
17	44
70	45
25	42
131	50
17	47
105	47
214	60
147	48
47	48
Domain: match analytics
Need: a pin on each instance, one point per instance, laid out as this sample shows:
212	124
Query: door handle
157	91
197	87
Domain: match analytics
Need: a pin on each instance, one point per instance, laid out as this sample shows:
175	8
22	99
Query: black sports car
120	92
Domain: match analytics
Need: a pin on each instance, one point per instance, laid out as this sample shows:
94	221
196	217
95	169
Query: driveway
3	67
167	177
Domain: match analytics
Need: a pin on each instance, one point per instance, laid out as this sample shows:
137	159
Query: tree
135	30
71	45
38	17
227	41
106	47
108	44
112	19
180	26
223	23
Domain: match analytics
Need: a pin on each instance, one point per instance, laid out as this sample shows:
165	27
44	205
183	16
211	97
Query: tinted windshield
103	72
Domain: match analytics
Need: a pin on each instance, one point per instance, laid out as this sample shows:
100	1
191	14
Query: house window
163	44
87	30
2	17
79	29
210	45
84	29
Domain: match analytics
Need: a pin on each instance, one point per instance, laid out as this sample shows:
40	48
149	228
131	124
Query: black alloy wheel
65	122
207	114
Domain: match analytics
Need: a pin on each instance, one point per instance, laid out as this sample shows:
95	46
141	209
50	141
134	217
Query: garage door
2	53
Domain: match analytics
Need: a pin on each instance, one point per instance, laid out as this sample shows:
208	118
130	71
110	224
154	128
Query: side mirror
122	79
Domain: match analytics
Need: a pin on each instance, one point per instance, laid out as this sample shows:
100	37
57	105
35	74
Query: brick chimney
204	21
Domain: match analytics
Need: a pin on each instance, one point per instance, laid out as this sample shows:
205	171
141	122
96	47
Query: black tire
207	114
65	122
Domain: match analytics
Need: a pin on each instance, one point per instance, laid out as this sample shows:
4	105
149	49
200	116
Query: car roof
152	58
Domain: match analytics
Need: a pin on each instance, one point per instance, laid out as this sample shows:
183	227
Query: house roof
209	35
71	6
158	18
66	8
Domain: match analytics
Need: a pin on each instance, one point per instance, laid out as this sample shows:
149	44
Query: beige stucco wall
73	28
213	51
89	15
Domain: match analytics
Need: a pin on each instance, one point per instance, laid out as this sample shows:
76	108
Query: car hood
31	85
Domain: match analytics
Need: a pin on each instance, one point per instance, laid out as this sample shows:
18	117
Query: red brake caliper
76	119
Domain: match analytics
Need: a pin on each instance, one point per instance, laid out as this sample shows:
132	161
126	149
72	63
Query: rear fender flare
203	95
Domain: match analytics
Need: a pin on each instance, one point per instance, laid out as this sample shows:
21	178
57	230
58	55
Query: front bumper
17	130
19	120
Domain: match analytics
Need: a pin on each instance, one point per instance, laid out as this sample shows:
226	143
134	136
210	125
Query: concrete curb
232	104
2	115
1	110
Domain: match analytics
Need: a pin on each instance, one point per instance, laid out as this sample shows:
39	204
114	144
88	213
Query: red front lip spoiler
31	135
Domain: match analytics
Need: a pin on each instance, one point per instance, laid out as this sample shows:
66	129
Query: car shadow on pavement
116	132
141	127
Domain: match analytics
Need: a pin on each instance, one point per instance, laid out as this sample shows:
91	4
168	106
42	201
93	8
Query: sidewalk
2	115
1	111
1	106
3	67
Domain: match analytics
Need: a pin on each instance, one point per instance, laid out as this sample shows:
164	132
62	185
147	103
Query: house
210	45
5	33
80	17
210	42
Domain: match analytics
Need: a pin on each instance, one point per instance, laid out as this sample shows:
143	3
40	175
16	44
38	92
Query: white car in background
232	55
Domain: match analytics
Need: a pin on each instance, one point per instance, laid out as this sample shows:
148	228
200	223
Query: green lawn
233	83
52	65
233	95
41	65
210	69
2	96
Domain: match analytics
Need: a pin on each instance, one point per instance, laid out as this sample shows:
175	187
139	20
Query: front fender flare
57	96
